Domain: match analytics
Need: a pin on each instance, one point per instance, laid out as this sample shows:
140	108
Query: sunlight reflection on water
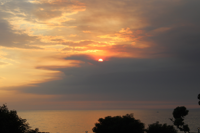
79	121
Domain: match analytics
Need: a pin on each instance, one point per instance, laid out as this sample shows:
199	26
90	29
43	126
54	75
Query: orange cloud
24	68
127	31
60	9
126	36
86	31
72	35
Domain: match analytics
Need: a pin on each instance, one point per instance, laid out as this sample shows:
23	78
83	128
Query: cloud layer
150	50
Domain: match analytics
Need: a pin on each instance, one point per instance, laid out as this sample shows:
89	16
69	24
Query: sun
100	60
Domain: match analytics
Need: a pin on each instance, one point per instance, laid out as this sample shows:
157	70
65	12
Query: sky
49	52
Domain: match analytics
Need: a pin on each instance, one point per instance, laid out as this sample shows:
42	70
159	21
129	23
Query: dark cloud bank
127	79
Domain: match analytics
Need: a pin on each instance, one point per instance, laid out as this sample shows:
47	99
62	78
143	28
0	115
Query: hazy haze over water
79	121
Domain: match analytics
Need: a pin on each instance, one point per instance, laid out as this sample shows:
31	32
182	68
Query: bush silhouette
10	122
119	124
179	113
159	128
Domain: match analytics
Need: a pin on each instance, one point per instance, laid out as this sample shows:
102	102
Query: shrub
10	122
160	128
119	124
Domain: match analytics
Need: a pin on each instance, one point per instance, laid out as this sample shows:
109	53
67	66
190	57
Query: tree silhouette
160	128
119	124
10	122
198	98
179	113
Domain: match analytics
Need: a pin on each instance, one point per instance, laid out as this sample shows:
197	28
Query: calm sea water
79	121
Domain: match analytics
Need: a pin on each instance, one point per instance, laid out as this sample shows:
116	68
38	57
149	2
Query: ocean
80	121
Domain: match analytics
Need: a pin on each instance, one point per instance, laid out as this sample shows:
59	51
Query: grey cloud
126	79
181	42
9	38
13	38
18	7
175	13
40	11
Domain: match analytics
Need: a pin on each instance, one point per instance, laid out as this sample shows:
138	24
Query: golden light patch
100	60
126	30
73	35
86	31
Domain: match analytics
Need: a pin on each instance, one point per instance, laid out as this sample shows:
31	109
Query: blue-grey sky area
49	51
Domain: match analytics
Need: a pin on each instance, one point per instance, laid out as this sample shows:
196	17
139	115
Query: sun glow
100	60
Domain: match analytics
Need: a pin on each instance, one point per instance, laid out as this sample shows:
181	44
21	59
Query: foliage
159	128
199	98
10	122
119	124
33	131
179	113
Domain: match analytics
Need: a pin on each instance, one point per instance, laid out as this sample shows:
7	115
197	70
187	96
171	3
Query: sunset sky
50	51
